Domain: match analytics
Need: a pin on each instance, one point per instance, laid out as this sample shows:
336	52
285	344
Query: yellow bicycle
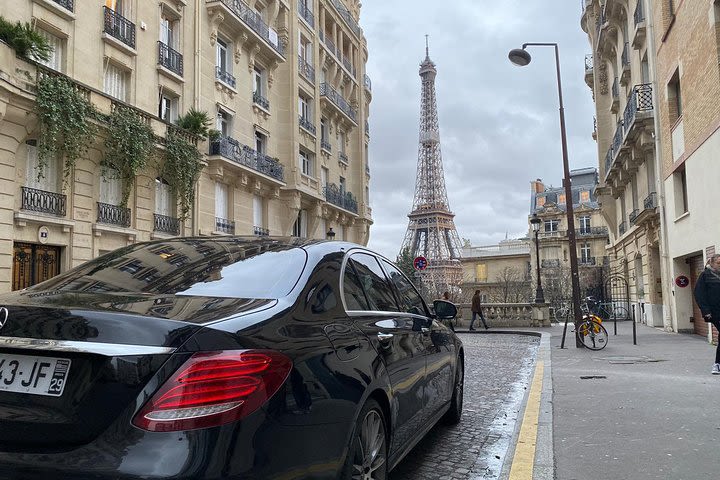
590	331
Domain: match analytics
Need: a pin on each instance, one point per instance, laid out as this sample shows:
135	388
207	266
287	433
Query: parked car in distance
223	357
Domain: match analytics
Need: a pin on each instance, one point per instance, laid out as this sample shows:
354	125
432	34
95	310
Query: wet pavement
497	375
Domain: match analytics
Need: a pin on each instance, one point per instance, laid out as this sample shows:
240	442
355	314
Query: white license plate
33	375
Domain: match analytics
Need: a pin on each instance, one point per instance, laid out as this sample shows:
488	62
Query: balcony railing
224	225
113	215
119	27
165	224
325	145
587	261
66	4
633	216
343	158
347	16
650	201
348	65
616	89
258	99
306	69
367	83
622	228
328	43
339	198
588	62
591	231
307	124
306	13
625	56
617	138
41	201
233	150
639	15
260	231
640	101
225	76
552	234
253	20
550	263
326	90
170	59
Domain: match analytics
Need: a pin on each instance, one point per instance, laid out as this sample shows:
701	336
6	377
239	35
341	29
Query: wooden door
33	264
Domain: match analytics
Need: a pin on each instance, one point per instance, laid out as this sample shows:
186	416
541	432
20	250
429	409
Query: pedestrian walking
476	308
707	296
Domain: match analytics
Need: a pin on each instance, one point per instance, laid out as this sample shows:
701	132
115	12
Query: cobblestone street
497	372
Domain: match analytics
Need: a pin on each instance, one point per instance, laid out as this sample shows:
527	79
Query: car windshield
213	268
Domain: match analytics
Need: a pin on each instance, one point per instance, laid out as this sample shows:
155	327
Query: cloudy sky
499	124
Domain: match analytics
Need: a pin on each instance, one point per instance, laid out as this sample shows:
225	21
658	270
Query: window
260	142
410	300
585	252
169	32
324	173
221	201
324	133
551	225
306	163
343	185
258	211
680	190
355	298
374	283
304	108
300	226
674	98
584	196
164	200
645	70
481	272
58	51
223	63
111	187
634	192
540	201
561	199
116	82
168	107
223	122
258	82
585	224
341	140
51	173
305	50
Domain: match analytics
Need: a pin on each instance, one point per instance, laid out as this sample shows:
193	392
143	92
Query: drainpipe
669	321
196	103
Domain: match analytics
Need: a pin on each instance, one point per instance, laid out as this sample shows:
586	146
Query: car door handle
385	338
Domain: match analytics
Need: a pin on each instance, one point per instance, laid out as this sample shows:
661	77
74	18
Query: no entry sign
682	281
420	263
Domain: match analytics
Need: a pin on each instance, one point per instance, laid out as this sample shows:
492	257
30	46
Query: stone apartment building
657	134
620	74
282	80
591	236
501	272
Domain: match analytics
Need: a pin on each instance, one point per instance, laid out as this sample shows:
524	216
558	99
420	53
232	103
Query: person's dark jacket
707	293
476	304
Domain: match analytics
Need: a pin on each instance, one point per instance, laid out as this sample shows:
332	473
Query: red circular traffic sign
420	263
682	281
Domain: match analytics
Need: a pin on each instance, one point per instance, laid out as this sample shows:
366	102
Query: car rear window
211	268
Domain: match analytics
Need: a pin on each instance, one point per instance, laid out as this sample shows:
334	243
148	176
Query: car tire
452	416
367	454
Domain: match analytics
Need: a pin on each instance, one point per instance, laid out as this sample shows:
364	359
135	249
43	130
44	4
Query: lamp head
519	57
535	222
330	234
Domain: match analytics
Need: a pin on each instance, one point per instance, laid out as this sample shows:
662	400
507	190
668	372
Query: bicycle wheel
592	334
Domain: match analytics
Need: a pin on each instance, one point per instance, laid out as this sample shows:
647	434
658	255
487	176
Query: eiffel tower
431	231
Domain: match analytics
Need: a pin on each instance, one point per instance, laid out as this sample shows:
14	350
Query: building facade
591	236
283	82
620	71
501	272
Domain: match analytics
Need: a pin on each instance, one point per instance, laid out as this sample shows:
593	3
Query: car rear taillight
213	388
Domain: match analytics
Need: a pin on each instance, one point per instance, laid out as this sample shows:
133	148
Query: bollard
633	322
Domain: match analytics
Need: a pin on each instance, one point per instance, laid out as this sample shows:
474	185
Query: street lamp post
520	57
535	223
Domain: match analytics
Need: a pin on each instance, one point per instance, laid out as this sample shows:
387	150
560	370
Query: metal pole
634	331
539	295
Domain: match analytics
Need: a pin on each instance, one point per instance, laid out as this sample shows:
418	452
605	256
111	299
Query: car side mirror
444	310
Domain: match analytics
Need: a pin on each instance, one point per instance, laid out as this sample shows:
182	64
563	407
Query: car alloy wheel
370	446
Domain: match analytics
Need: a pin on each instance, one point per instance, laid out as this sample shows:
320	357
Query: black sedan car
231	357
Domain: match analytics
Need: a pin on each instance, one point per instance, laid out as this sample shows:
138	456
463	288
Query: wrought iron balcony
66	4
639	15
367	127
170	59
119	27
550	263
260	231
165	224
258	99
307	124
343	158
325	145
306	69
615	90
253	21
326	90
347	16
641	100
234	151
650	201
622	228
113	215
640	27
588	63
617	138
225	76
341	199
224	225
328	43
633	216
348	65
306	13
625	56
41	201
367	83
586	261
588	231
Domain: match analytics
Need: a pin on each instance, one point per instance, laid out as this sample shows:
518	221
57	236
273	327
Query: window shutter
221	200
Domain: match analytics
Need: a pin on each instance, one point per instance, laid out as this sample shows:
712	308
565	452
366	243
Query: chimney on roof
537	186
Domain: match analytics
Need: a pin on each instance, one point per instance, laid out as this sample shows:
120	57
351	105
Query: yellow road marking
524	458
